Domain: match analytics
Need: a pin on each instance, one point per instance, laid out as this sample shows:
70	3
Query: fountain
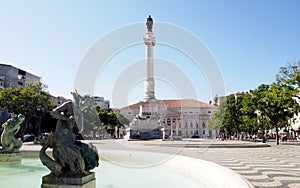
72	160
9	154
134	169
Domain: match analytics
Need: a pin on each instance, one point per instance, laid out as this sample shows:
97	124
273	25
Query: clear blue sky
250	40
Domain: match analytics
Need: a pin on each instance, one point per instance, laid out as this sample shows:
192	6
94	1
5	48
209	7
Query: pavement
263	165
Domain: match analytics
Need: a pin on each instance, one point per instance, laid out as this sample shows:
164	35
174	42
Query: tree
228	116
289	75
249	112
30	101
217	117
122	119
276	102
111	120
233	113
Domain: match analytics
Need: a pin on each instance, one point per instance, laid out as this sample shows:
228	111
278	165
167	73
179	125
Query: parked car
28	138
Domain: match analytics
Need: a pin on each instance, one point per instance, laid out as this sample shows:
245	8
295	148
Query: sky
249	40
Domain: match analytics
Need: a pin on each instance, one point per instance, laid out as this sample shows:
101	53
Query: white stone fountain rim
206	172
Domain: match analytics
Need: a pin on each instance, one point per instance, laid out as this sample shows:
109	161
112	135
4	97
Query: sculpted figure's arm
60	111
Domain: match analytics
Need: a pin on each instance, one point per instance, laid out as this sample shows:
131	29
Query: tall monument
149	41
147	123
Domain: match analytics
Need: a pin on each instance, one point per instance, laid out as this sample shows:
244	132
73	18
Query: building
101	102
294	123
183	118
13	76
59	100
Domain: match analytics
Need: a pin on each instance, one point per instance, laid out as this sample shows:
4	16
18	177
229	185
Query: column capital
149	39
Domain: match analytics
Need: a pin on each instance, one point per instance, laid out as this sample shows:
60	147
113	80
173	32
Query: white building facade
101	102
180	118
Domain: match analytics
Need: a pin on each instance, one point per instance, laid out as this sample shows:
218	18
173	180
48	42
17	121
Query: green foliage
289	75
249	111
110	120
30	101
277	104
217	117
267	107
233	113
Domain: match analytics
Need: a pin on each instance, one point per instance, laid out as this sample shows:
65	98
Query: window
168	121
179	133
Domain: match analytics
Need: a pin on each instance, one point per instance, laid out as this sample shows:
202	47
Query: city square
261	166
150	94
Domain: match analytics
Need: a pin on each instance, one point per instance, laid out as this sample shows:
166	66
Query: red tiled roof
240	93
115	109
185	103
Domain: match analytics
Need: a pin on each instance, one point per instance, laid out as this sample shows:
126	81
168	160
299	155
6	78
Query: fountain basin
134	169
205	173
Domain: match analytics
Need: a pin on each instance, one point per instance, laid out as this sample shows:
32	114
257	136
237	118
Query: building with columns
181	118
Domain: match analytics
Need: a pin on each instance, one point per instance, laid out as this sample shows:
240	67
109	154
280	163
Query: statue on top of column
149	23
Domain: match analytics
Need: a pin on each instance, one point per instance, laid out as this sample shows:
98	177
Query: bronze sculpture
149	23
71	157
9	143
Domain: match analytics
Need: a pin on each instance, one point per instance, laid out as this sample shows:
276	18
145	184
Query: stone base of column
10	158
74	181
